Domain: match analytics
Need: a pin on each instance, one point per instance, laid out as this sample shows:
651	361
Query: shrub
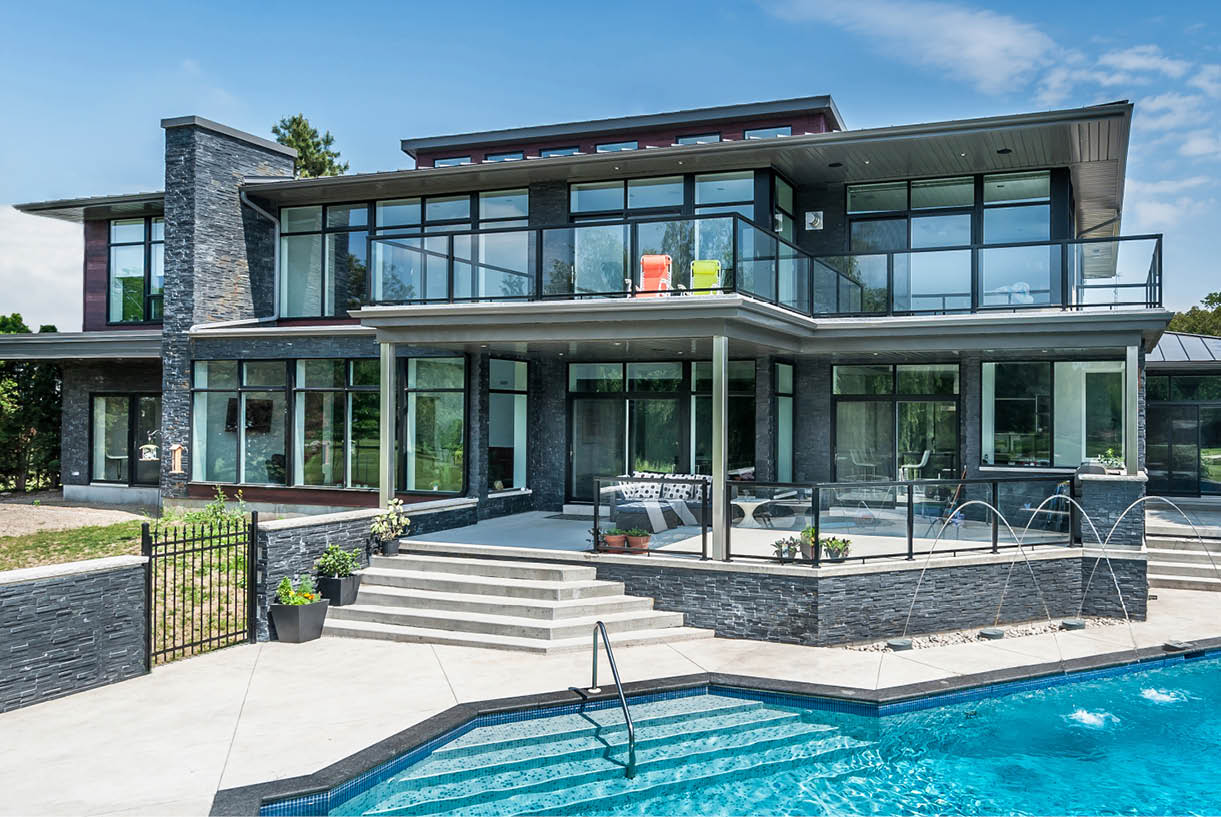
786	548
390	523
636	532
303	593
1110	459
836	546
336	563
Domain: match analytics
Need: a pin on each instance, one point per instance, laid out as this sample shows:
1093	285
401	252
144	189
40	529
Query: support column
720	443
1131	395
388	383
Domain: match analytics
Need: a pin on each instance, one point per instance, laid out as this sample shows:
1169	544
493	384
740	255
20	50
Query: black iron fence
821	523
200	583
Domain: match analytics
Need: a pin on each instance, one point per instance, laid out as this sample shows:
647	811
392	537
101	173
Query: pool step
709	747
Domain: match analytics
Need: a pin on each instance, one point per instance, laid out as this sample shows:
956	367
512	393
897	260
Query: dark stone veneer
68	633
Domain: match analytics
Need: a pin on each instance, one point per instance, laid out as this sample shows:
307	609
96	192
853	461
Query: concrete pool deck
166	742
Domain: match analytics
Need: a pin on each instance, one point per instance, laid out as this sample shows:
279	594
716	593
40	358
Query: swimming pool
1123	740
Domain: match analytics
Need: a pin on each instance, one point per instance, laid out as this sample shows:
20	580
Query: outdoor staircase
1184	562
574	764
507	605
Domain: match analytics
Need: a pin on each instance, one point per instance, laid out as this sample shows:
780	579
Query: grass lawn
53	547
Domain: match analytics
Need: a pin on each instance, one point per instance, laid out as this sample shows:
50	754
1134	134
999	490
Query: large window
592	201
740	451
137	270
323	259
335	423
896	422
1017	208
240	422
434	430
124	435
1052	413
506	424
784	421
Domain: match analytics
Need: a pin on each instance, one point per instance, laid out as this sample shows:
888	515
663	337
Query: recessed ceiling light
836	164
962	154
1005	151
866	161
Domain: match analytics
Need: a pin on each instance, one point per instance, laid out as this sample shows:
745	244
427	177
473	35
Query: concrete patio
164	743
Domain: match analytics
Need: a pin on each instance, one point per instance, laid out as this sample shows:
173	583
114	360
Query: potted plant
806	543
615	540
637	540
836	548
338	580
1111	461
786	548
388	526
299	612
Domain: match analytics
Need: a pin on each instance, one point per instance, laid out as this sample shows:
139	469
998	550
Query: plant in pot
786	548
637	540
299	611
615	540
836	548
806	543
1111	461
388	526
338	579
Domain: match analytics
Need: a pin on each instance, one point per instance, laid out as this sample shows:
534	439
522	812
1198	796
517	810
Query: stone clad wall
68	628
81	381
1105	497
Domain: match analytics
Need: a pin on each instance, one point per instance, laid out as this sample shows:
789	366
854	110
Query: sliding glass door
598	435
123	439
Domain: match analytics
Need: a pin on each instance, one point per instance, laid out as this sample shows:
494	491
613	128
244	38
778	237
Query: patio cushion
676	490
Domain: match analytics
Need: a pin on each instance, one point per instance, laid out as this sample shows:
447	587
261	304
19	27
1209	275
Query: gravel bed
972	636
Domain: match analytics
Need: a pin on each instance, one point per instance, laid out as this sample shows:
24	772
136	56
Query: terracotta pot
638	544
615	544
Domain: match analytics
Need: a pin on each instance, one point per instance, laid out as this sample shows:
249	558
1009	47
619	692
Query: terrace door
598	443
1173	450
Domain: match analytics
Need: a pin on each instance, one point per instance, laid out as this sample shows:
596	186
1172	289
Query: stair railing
600	627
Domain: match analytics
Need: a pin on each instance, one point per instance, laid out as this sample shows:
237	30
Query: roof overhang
1092	142
628	124
131	344
668	323
129	205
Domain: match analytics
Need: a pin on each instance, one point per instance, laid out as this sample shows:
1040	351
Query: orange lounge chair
655	276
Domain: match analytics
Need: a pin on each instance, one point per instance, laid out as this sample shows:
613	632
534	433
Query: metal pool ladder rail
599	627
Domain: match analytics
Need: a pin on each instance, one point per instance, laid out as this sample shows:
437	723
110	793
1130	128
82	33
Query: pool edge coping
249	799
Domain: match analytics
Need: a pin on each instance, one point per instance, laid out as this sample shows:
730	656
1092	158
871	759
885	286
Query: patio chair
705	275
655	276
915	467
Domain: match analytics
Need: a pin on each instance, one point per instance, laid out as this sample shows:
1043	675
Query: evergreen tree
314	154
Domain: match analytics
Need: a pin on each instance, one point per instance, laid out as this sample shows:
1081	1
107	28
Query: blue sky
88	84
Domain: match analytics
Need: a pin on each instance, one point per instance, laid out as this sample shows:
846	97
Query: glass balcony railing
727	253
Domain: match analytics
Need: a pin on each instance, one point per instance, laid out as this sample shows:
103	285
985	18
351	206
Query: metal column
1132	411
720	440
389	391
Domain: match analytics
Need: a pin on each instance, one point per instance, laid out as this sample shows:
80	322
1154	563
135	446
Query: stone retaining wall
67	628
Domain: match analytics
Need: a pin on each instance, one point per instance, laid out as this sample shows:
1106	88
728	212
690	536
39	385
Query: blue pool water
1143	742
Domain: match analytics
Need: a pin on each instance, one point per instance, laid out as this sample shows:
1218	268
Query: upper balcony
727	253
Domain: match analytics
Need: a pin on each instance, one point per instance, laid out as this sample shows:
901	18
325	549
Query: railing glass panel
1019	276
757	262
932	281
1115	272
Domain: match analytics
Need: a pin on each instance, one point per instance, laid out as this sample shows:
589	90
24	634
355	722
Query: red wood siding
97	249
808	123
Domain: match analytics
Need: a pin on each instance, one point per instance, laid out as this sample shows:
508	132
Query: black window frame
523	391
894	397
452	161
601	147
133	399
148	242
322	232
746	132
777	395
401	429
709	138
552	153
505	156
348	389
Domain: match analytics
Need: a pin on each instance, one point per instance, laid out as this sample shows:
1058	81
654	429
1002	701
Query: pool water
1144	742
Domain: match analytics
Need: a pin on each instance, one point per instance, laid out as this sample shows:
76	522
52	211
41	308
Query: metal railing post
911	523
815	512
996	503
728	522
252	583
704	520
146	550
596	529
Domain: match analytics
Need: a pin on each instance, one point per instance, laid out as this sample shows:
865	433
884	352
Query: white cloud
40	269
1144	59
1170	111
995	52
1165	186
1208	80
1201	143
1163	203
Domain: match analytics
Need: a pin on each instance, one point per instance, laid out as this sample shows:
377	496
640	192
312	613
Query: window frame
452	161
525	391
709	138
746	132
505	156
1051	409
777	396
322	232
348	390
147	242
895	397
555	153
614	147
133	400
401	429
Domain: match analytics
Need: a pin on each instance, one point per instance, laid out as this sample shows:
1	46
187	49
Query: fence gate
200	584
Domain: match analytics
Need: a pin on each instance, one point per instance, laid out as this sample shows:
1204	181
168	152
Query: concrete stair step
530	571
513	626
393	632
489	585
1173	556
1194	571
1183	543
549	609
1184	582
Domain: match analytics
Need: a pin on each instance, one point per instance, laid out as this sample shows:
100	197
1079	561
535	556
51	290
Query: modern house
750	292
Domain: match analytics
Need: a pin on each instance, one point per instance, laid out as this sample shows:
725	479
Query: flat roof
123	205
217	127
822	103
110	344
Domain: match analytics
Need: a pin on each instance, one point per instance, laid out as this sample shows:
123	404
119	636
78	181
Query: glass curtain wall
335	423
784	422
240	429
896	422
1183	444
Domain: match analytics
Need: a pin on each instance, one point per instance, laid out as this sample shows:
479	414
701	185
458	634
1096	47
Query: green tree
315	156
30	407
1200	320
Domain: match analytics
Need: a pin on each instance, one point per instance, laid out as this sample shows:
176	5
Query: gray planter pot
390	547
339	591
297	623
